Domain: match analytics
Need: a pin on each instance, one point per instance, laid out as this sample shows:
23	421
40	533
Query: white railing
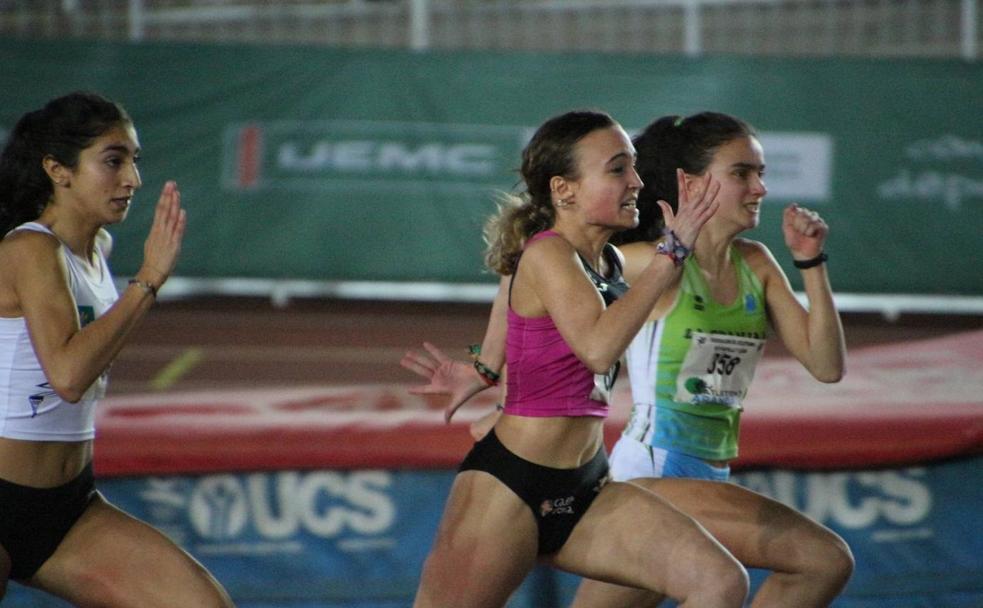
896	28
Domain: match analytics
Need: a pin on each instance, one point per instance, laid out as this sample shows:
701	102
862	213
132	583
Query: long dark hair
669	143
61	129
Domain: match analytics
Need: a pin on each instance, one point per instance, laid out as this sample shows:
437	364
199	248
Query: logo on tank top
38	398
689	332
698	303
750	304
697	386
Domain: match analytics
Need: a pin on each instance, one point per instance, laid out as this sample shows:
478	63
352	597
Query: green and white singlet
690	370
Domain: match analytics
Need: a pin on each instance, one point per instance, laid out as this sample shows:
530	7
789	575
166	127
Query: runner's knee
103	588
821	556
837	559
724	584
732	583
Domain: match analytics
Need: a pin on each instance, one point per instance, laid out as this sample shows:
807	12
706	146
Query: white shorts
631	459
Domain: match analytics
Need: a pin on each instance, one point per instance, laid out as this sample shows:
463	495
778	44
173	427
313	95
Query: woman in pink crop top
547	378
536	488
698	143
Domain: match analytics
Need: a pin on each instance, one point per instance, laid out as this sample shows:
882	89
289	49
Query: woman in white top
67	170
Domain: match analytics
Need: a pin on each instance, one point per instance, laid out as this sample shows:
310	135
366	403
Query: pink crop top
545	377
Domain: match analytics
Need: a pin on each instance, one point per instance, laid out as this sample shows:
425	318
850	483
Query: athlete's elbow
68	394
599	363
67	388
599	369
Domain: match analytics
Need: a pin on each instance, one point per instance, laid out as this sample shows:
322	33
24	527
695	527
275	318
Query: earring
562	202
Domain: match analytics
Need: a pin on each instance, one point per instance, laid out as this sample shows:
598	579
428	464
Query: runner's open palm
693	210
163	244
447	376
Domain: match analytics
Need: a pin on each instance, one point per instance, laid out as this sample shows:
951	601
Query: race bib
718	369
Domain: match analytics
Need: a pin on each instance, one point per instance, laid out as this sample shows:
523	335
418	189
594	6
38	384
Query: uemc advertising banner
332	156
359	538
326	164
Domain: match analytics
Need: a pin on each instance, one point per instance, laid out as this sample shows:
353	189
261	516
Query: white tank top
29	408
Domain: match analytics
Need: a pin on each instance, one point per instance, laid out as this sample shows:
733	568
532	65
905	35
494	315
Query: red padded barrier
898	404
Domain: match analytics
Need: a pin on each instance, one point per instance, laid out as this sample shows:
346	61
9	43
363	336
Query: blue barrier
347	539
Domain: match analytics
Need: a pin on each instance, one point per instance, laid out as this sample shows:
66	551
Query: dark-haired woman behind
67	170
694	358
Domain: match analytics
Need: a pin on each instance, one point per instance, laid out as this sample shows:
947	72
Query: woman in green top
692	362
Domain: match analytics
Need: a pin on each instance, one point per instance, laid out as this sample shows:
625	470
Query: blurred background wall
337	159
331	127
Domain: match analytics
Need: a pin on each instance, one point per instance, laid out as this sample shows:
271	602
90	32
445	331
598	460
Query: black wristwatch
812	262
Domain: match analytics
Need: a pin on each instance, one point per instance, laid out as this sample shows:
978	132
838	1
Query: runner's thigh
112	558
758	531
630	536
485	545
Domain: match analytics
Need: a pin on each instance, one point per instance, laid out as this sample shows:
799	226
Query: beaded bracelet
487	375
673	247
145	286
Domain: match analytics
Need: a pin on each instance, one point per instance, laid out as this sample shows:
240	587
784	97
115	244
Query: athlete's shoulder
547	243
751	247
29	256
27	242
755	252
759	259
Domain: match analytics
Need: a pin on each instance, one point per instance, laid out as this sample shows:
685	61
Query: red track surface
246	343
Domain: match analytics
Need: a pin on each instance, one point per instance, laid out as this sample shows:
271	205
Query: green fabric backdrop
323	164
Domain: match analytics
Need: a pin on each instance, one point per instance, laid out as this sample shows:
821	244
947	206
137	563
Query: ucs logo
276	506
850	499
